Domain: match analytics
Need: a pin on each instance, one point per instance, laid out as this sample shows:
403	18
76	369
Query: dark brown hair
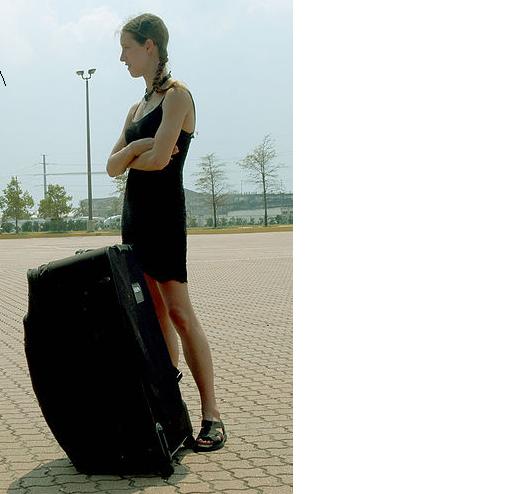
149	26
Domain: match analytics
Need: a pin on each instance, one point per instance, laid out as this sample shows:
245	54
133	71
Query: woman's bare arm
120	161
122	154
174	108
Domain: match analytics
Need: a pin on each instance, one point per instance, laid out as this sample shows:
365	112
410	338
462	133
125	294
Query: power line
74	164
65	173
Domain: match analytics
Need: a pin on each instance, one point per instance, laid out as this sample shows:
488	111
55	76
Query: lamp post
90	223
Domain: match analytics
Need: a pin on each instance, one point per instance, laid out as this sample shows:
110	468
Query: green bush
59	225
28	226
284	219
8	227
77	225
237	221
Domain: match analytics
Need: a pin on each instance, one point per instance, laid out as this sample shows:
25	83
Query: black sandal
211	431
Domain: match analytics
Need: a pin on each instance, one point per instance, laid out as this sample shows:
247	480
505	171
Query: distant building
248	206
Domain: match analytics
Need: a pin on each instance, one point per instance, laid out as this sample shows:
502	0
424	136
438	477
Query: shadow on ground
53	478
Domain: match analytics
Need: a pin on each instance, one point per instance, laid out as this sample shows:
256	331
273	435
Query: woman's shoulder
178	98
177	86
178	92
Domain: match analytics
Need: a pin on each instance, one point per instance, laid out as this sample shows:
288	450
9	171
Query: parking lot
241	287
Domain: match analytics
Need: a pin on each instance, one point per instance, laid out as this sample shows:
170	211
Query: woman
152	147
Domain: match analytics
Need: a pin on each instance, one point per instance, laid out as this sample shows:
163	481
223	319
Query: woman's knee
179	307
180	317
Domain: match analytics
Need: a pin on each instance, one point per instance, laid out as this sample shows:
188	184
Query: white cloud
35	27
14	41
92	26
269	6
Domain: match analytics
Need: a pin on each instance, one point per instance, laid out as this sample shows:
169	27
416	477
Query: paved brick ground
241	286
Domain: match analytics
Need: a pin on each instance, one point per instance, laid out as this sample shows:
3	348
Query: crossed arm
150	154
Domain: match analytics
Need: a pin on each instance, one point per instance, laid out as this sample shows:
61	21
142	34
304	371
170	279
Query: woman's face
135	56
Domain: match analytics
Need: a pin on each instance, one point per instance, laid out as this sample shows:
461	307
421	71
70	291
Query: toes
205	442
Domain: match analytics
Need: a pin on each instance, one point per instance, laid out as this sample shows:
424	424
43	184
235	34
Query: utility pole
16	218
44	174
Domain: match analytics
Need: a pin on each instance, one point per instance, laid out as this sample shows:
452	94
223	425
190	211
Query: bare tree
262	170
211	179
120	183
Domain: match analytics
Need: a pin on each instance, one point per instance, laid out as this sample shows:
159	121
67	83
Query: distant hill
197	203
102	207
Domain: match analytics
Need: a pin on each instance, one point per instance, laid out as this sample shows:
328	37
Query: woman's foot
212	436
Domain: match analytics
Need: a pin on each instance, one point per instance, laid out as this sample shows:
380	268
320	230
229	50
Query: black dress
154	214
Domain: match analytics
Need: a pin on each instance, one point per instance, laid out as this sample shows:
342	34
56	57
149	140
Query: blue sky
235	56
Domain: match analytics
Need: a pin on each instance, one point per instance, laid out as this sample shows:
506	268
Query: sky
234	55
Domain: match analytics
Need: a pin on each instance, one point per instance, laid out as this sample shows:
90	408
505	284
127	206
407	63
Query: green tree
57	203
262	170
211	179
14	203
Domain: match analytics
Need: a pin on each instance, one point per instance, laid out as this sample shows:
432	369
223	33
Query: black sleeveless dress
154	214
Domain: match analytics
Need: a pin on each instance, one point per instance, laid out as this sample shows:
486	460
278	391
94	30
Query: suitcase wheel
167	470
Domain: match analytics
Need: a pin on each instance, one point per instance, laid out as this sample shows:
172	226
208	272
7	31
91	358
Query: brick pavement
241	286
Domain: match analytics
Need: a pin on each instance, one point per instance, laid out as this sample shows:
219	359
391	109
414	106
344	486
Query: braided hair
149	26
157	81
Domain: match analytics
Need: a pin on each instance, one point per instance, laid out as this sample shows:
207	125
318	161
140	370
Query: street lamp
90	224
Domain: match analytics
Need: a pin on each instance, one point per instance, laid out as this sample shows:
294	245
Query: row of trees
17	204
211	177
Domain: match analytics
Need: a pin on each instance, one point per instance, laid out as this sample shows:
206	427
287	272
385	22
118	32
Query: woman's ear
150	46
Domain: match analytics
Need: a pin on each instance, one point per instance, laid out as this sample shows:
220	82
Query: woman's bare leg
168	331
194	343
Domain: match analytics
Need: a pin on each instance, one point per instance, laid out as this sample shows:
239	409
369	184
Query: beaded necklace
147	94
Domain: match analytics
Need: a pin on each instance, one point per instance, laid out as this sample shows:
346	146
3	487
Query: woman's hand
141	145
145	144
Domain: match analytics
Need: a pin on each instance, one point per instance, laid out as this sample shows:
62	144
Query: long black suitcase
99	365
